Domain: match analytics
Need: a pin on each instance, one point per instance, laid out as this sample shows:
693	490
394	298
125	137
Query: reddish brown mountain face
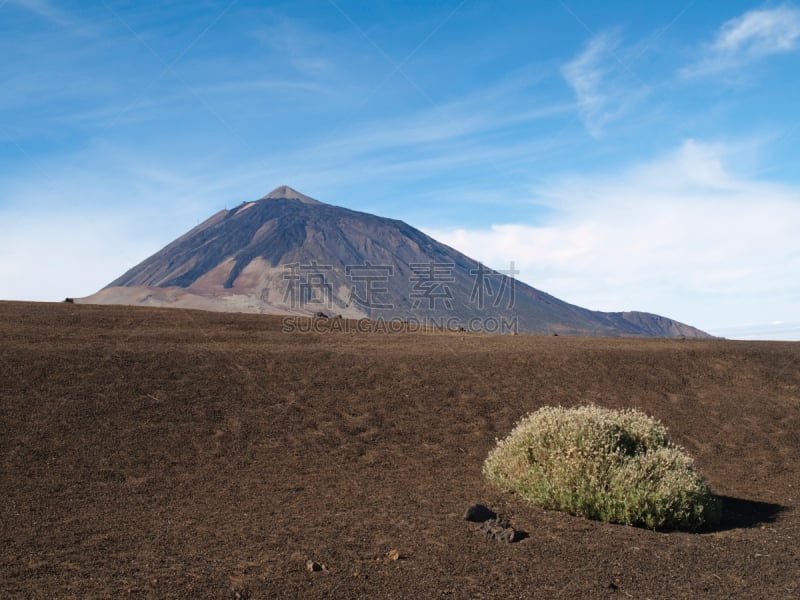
290	254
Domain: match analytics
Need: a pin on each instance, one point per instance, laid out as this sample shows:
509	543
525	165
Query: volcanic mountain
287	253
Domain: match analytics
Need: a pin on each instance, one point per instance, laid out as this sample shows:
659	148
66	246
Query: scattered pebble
313	566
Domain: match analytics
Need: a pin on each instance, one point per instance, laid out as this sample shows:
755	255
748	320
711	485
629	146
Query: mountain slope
288	253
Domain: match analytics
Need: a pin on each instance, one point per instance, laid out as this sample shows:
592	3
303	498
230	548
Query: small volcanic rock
393	555
499	530
313	566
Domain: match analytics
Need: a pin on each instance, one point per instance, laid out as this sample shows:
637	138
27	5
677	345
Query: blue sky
625	155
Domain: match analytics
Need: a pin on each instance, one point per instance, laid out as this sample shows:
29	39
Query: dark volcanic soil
173	454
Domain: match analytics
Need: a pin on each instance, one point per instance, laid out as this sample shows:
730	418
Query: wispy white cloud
55	13
748	37
682	236
306	51
448	123
604	87
45	9
473	134
760	32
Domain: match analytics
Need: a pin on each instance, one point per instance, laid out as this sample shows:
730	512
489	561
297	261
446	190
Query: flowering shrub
607	465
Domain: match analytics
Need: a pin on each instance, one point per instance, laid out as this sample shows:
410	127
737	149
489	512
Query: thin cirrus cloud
605	87
749	37
43	8
53	13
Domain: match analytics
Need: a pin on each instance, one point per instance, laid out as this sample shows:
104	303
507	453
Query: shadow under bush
738	513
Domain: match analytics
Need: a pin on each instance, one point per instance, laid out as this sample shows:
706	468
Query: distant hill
287	253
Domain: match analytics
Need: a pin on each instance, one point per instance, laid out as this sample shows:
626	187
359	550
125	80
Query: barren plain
167	453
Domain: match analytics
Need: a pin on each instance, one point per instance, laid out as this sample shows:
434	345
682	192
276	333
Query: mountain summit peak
284	192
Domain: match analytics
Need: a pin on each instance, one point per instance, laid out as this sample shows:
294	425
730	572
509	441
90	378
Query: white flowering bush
602	464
